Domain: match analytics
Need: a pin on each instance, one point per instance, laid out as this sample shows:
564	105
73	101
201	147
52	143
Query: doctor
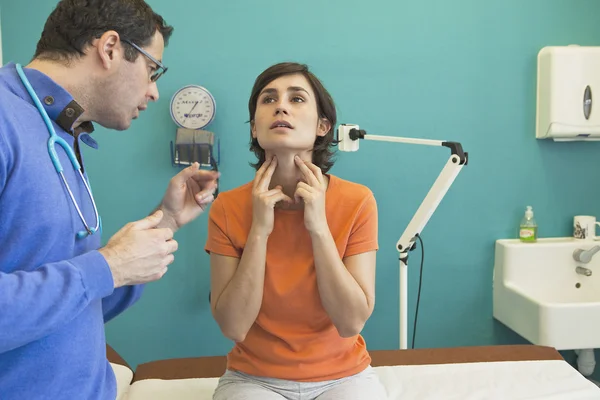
97	61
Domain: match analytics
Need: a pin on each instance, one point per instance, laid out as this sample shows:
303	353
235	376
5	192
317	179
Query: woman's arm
347	288
237	287
237	284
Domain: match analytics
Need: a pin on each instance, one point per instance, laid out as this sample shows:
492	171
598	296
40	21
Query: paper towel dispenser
568	93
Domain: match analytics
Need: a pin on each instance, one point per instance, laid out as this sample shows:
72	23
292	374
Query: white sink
539	295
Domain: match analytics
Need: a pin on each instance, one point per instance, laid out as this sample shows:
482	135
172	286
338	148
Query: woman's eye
297	99
268	99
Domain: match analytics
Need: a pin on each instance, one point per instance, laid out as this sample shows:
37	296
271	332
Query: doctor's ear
108	46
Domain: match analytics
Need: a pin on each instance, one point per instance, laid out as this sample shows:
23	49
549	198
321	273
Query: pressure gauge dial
193	107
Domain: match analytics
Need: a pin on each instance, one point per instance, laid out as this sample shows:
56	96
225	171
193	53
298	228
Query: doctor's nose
153	92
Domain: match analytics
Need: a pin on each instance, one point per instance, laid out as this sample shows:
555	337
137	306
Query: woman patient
292	255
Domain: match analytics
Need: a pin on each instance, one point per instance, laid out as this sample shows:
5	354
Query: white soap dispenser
528	227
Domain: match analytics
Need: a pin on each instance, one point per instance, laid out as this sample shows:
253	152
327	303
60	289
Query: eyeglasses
161	68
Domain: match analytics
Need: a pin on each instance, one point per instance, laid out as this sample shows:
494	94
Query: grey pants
235	385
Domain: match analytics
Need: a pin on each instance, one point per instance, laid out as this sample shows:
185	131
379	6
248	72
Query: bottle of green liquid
528	227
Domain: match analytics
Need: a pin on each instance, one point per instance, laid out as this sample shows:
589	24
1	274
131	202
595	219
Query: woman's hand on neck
287	174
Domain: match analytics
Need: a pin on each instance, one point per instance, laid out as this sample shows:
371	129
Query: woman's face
286	116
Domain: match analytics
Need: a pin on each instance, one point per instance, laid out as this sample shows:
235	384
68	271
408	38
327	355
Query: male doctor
97	61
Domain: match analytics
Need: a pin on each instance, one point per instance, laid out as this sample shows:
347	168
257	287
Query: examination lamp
348	136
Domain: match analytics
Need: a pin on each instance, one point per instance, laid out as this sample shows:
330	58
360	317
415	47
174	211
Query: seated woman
292	255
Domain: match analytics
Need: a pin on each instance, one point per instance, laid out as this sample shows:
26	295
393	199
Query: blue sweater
56	291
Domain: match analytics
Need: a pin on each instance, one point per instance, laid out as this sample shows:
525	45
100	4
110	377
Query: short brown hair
74	24
322	155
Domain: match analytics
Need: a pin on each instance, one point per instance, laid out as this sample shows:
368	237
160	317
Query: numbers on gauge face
193	107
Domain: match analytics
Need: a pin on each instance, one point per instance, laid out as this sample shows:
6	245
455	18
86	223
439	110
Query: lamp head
347	142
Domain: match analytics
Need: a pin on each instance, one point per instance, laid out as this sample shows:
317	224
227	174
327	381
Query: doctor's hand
312	192
187	196
264	199
140	251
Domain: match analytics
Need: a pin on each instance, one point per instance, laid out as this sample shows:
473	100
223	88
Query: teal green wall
462	71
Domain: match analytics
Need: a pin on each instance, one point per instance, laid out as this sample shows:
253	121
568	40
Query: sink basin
538	293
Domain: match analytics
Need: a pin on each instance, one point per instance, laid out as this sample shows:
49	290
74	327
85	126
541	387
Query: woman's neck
287	174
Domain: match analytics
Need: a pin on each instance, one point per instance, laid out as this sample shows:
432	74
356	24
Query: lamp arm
406	243
457	160
429	204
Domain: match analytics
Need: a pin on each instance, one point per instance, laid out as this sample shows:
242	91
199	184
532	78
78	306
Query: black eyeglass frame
161	67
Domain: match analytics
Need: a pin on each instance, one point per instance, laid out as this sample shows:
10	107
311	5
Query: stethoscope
52	141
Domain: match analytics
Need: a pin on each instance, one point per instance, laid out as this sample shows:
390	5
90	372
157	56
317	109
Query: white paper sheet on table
506	380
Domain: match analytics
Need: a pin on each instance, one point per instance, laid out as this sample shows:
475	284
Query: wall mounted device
349	136
193	108
568	93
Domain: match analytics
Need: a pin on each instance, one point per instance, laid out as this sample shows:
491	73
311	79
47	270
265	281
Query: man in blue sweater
97	62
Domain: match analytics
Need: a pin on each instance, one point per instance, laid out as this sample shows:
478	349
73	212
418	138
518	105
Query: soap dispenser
528	227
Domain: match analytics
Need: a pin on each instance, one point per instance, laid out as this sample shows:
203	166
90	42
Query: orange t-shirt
293	337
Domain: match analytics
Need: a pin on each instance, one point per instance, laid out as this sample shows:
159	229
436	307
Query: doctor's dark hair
74	24
322	155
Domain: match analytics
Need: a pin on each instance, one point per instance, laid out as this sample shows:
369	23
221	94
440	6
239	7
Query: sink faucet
583	271
585	256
